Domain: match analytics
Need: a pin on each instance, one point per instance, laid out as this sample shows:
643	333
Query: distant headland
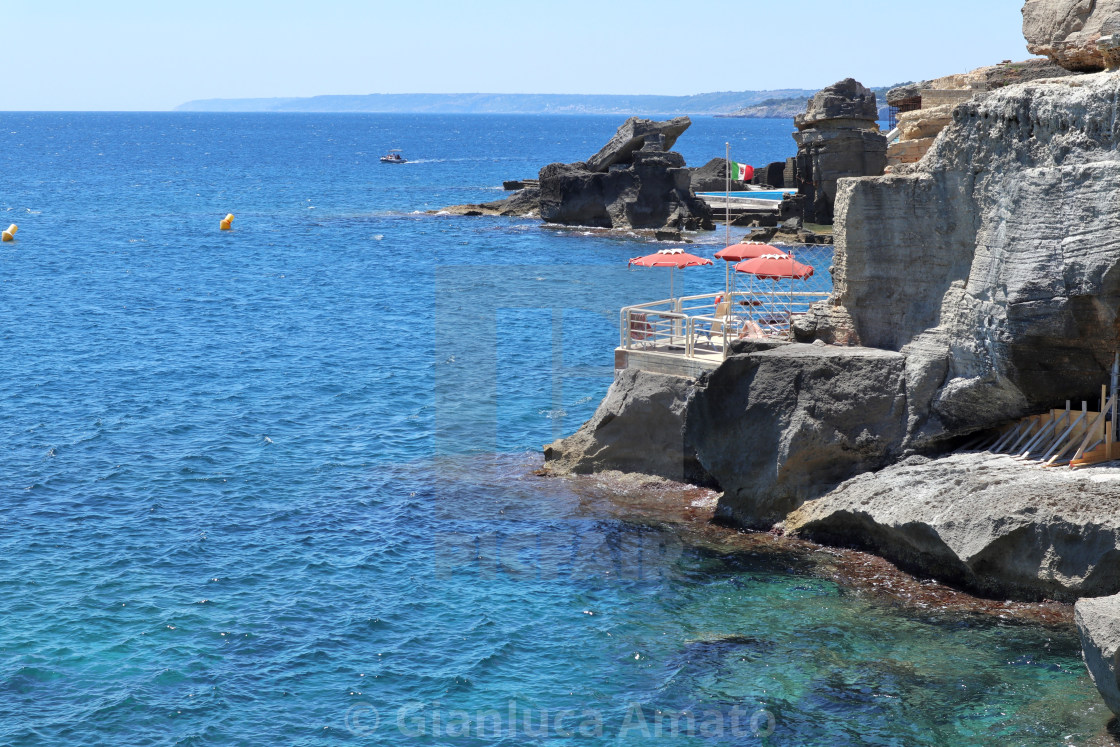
726	103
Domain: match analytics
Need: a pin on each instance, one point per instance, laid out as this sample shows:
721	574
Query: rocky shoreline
973	288
689	511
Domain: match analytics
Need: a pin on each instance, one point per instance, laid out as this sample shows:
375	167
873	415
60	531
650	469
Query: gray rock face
1098	624
524	203
1069	31
996	259
837	137
777	427
651	190
840	102
638	427
632	137
987	523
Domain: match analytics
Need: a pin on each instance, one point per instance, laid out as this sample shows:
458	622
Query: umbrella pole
789	306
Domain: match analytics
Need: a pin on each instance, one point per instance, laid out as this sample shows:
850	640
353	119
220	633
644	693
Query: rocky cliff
981	285
1070	31
996	260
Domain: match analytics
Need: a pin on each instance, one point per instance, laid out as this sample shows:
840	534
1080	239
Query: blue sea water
272	486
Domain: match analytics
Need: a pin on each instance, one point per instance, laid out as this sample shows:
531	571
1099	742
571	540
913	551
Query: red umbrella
671	258
775	267
739	252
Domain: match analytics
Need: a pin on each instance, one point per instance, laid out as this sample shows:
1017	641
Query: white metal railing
697	324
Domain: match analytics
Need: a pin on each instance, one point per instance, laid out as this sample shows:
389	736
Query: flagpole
727	223
727	195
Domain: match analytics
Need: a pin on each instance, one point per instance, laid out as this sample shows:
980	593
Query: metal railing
694	325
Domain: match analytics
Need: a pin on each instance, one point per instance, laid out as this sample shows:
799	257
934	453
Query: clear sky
156	54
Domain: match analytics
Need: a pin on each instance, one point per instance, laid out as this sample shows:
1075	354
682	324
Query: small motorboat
393	156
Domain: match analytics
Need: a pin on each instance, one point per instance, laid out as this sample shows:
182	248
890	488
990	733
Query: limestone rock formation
777	424
1069	32
633	182
1098	624
632	137
847	100
986	523
638	427
837	137
776	427
996	259
925	109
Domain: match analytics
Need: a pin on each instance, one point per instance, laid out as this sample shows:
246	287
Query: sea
275	485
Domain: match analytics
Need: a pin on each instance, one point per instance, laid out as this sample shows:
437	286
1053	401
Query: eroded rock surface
988	523
633	182
837	137
996	259
1069	31
632	136
1098	624
638	427
777	427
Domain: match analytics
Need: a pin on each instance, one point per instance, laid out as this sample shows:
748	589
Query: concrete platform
672	362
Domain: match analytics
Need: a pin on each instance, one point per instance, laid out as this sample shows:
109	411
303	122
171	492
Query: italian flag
742	172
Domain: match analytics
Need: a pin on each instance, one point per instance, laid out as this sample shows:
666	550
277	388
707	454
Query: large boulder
1069	32
1098	624
638	427
652	190
842	102
632	136
996	258
987	523
777	427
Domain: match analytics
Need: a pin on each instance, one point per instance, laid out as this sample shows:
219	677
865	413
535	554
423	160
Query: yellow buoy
227	222
10	234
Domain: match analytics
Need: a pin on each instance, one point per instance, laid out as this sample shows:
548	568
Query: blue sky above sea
131	55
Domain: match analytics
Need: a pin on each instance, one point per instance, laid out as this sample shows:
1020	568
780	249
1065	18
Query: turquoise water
272	486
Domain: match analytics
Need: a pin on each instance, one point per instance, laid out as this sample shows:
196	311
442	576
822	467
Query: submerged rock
524	203
1098	624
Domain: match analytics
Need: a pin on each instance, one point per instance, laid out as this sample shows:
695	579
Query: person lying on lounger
750	328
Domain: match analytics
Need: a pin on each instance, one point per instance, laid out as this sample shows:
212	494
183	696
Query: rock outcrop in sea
837	137
635	181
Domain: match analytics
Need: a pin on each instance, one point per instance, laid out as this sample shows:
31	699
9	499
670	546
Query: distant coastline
728	103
